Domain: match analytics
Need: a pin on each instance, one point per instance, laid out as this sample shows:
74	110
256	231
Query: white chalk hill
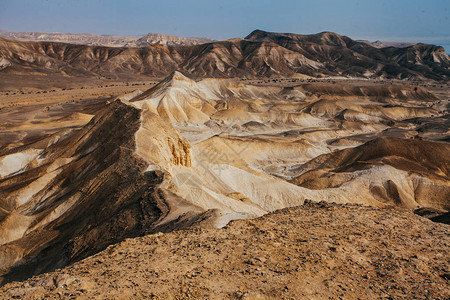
181	99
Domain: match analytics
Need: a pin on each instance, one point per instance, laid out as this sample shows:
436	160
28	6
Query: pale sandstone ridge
315	251
88	189
168	40
104	40
201	153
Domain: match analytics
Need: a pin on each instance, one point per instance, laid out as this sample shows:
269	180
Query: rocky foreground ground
317	251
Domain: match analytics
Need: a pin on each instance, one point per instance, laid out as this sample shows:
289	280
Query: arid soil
314	251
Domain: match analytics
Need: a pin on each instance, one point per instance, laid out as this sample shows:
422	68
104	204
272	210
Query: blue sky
412	20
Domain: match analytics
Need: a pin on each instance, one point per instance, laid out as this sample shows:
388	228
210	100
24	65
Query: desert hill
426	163
86	189
189	153
338	54
318	250
260	54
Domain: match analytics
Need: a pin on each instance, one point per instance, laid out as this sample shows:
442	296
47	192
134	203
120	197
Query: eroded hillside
260	54
201	153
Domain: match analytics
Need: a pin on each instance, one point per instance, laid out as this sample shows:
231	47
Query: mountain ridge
113	40
262	53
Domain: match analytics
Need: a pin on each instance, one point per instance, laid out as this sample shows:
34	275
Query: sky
400	20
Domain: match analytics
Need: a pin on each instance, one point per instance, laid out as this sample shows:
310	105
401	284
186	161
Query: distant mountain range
380	44
260	54
103	40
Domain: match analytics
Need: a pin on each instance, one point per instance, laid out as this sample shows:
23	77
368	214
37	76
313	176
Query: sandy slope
319	251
